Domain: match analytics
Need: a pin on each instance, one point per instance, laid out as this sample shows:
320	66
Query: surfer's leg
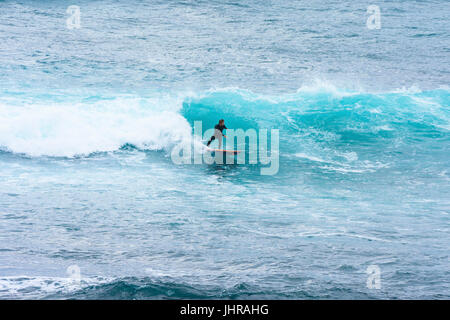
210	140
217	135
220	140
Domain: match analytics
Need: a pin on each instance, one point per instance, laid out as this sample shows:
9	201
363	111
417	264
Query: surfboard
226	151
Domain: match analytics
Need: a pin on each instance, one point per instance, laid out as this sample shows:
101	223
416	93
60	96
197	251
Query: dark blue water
92	205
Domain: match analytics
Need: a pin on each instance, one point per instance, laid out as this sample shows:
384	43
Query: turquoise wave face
361	131
342	113
319	125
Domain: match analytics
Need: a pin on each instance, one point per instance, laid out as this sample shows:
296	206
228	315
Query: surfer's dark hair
221	120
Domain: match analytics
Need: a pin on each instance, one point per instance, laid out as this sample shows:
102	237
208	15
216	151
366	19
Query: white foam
70	129
25	287
309	157
320	85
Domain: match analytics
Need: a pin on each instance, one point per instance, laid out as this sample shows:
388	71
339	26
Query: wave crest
313	116
69	130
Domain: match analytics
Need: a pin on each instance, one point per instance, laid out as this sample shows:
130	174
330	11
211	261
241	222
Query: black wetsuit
220	127
217	127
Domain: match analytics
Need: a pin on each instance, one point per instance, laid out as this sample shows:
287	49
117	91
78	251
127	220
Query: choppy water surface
89	117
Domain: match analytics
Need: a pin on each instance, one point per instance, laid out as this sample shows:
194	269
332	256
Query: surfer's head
221	121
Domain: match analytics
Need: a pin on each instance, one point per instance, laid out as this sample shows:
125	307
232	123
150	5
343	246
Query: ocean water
92	205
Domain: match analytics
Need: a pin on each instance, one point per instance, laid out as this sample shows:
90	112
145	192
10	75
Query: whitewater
92	205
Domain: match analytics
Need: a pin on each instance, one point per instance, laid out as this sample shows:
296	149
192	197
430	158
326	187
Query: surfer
218	134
